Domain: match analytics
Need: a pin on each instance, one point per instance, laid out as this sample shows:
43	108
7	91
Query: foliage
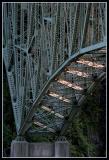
39	138
84	132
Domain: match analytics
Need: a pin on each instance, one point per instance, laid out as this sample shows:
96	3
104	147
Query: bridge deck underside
53	54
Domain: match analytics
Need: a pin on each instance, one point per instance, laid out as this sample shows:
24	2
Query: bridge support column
22	148
19	148
62	147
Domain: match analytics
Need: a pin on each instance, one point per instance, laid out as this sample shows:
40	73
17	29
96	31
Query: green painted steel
52	52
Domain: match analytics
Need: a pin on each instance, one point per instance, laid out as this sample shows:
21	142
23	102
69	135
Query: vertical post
62	148
19	148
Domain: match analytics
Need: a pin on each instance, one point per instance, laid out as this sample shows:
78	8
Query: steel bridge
54	54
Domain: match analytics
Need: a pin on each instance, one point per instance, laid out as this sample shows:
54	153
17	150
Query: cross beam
86	50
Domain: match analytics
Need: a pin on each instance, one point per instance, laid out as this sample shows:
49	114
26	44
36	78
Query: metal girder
81	101
55	43
35	132
85	24
23	49
82	51
40	40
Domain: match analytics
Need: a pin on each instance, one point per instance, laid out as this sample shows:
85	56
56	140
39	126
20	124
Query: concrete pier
42	149
19	149
61	149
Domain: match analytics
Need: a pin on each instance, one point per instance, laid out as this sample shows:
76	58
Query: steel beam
81	101
82	51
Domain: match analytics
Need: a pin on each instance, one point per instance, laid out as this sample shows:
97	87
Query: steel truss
54	53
